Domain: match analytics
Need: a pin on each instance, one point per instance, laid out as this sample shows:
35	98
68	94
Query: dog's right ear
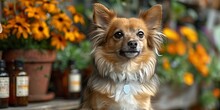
102	15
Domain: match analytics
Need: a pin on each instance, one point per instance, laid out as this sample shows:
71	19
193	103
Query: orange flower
79	36
216	92
72	9
77	18
171	48
188	78
193	57
35	12
180	48
61	21
40	30
166	64
58	41
19	27
203	69
49	5
4	33
203	54
171	34
9	9
189	33
27	3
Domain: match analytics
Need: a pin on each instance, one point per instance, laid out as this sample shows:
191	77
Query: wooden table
56	104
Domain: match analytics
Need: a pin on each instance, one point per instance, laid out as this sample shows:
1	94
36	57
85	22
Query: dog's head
126	38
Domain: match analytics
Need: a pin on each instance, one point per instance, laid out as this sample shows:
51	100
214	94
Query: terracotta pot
38	65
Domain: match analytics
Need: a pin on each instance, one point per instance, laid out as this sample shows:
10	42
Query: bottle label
74	83
22	85
4	87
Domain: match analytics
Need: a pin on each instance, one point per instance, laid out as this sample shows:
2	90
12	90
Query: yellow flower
72	9
180	48
171	34
35	12
9	9
79	36
49	5
58	41
166	64
19	27
77	18
203	69
189	33
26	3
188	78
61	21
216	92
4	33
40	30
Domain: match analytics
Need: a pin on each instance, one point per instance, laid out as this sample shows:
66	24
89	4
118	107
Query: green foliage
80	53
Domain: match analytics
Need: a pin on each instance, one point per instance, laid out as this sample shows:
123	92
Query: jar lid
2	63
19	63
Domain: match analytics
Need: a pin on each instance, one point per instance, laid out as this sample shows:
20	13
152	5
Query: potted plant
33	30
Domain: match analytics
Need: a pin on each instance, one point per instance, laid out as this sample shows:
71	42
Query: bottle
4	86
19	85
73	82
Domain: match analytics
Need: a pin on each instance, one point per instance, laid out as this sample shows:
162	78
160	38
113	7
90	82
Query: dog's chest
125	96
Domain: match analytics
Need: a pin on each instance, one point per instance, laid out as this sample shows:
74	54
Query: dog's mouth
129	54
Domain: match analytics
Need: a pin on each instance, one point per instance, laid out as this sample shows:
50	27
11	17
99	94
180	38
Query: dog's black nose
132	44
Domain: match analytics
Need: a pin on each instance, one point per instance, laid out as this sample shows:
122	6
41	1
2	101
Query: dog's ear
152	19
102	15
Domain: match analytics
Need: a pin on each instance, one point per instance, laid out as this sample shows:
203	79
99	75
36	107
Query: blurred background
189	68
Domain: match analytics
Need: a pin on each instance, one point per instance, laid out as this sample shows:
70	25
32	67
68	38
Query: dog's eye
140	34
118	35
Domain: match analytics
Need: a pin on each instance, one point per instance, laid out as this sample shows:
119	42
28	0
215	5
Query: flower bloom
35	12
216	92
58	41
40	30
199	58
166	64
171	34
49	5
77	18
4	33
188	78
19	27
61	21
72	9
9	10
189	33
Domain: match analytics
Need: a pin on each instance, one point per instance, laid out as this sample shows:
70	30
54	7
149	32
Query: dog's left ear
152	19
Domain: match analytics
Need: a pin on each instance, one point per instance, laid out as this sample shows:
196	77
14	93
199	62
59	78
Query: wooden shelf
57	104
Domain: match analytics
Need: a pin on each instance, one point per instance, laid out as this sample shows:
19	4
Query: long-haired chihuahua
124	53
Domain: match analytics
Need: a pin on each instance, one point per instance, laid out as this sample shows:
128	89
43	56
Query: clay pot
38	65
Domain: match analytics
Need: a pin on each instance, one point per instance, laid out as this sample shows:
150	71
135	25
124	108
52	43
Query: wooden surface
57	104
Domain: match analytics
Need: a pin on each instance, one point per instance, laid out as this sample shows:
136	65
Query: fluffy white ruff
107	81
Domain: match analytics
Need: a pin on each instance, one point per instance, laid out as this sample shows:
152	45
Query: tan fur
123	61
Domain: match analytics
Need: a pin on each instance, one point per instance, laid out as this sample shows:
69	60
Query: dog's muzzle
131	50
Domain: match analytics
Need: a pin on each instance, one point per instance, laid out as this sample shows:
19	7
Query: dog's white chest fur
124	96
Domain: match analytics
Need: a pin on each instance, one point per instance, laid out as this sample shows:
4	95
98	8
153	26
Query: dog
124	55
